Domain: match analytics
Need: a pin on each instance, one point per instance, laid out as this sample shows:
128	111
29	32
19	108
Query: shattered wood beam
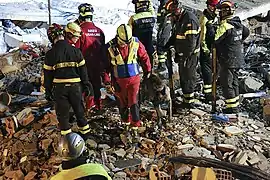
239	170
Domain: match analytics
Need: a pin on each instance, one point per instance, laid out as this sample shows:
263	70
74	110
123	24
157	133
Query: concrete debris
233	130
250	84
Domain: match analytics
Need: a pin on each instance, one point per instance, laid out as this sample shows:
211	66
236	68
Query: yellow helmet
74	29
124	33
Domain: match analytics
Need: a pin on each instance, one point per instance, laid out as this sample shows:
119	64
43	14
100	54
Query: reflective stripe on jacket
229	39
207	35
142	22
122	68
64	64
81	171
187	34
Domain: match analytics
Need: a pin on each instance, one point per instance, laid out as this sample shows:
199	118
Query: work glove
146	75
49	95
88	90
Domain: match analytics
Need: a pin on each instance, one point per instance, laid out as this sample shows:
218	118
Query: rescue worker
142	24
65	78
125	53
187	46
75	164
207	21
229	38
72	33
164	34
92	43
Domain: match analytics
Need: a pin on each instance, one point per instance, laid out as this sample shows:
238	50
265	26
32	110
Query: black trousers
230	86
66	96
205	62
187	71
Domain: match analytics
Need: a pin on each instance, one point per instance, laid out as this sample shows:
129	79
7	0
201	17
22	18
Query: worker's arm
82	68
245	33
106	66
165	33
191	34
222	32
203	21
144	58
48	72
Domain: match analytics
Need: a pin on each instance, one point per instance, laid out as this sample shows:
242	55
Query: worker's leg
205	62
120	87
62	108
227	84
133	90
187	70
75	98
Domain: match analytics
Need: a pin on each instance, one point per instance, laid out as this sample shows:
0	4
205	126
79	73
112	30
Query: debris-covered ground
29	132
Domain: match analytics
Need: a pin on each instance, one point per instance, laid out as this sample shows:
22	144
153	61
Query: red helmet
212	2
54	31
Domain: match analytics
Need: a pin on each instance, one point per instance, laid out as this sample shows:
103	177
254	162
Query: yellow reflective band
224	26
161	56
81	63
84	127
189	95
168	5
189	101
65	64
158	14
232	100
207	86
142	15
71	80
188	32
197	50
180	37
85	131
168	22
86	14
232	105
50	68
207	90
66	132
135	128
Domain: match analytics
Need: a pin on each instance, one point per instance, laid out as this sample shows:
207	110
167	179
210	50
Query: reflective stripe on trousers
233	102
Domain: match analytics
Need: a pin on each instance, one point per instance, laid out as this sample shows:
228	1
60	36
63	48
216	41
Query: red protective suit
126	89
91	44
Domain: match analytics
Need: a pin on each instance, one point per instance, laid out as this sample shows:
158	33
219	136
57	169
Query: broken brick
45	143
15	175
31	175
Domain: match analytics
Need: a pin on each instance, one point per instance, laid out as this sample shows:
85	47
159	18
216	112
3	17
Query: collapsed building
29	135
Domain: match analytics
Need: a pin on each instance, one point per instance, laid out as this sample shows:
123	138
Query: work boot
162	66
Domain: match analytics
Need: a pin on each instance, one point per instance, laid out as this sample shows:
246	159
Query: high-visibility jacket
207	23
121	68
229	39
64	64
82	171
122	61
187	34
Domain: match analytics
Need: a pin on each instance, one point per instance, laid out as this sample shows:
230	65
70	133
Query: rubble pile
29	149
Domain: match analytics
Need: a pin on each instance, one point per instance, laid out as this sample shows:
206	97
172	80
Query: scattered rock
233	130
120	152
120	176
103	146
226	147
91	144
